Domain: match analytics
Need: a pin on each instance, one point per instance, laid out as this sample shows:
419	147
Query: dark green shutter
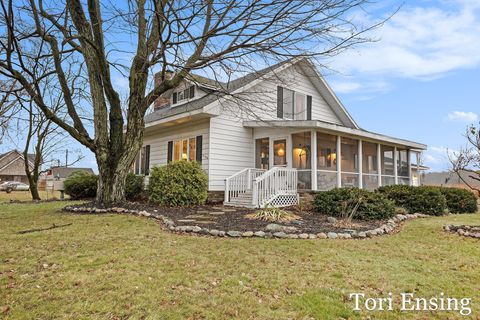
170	151
147	160
192	92
174	97
309	107
279	102
198	151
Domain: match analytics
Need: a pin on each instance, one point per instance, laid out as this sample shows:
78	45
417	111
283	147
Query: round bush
133	187
426	200
397	193
460	200
81	185
179	183
371	205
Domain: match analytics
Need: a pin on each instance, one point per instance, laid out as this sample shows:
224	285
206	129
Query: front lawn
118	266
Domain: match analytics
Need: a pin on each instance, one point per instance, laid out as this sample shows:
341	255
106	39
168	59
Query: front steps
242	200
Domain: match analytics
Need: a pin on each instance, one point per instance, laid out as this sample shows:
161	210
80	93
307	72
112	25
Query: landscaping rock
321	235
214	232
312	236
247	234
293	236
217	213
273	227
303	235
259	234
221	233
196	229
347	236
332	219
204	231
362	234
234	234
332	235
280	234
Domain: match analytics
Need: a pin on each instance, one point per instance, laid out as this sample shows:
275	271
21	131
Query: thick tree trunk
34	191
113	174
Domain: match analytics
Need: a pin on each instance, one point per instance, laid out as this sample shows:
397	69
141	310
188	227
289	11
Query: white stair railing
273	183
240	182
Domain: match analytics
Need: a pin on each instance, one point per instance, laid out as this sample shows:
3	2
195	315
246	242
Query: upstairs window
181	96
293	105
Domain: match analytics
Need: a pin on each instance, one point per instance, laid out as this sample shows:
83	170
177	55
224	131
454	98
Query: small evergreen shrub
133	187
426	200
81	185
460	200
367	205
179	183
397	193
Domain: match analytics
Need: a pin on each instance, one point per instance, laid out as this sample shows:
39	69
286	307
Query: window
293	105
387	161
262	153
402	163
288	96
189	149
182	95
141	164
280	155
349	155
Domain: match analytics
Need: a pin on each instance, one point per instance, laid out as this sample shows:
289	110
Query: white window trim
181	148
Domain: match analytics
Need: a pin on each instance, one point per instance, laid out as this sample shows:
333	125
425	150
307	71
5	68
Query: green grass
119	267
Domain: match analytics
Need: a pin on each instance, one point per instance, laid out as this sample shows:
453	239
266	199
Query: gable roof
7	158
239	83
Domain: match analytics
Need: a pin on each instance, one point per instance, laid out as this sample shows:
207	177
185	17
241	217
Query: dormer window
181	96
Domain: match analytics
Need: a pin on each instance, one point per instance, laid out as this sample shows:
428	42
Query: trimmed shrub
397	193
179	183
133	187
426	200
459	200
81	185
369	205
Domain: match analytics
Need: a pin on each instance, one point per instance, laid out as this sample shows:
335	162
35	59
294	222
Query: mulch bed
226	218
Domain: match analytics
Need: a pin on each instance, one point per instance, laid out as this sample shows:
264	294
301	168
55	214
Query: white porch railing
277	186
241	182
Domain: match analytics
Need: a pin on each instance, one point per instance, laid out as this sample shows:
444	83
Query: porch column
409	164
379	164
339	161
289	151
395	164
360	163
418	168
270	153
313	152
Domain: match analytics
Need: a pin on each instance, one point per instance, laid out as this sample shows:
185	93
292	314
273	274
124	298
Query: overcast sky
418	81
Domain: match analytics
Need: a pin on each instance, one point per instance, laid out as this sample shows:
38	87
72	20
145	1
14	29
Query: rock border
464	230
391	225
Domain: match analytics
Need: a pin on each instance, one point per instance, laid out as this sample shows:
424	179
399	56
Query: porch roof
333	128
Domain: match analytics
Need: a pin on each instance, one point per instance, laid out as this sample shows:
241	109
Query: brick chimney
162	101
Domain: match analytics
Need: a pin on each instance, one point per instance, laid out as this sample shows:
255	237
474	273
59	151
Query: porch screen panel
402	163
326	161
369	165
349	162
279	152
388	173
302	158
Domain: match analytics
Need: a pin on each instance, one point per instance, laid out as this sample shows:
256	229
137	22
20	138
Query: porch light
332	157
280	152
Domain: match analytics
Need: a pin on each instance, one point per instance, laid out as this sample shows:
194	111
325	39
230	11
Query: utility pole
66	158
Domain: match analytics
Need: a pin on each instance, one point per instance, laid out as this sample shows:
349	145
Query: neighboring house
12	166
58	174
264	136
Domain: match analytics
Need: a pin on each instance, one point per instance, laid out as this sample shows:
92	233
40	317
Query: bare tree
41	40
467	160
8	105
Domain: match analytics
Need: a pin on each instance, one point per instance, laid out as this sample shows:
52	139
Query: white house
263	137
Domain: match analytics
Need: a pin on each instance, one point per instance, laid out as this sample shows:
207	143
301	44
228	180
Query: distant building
12	166
58	174
448	179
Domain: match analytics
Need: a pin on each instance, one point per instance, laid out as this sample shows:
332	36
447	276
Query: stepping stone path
186	220
216	213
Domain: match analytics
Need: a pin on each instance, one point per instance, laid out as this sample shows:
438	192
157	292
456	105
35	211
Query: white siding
262	97
231	149
158	140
